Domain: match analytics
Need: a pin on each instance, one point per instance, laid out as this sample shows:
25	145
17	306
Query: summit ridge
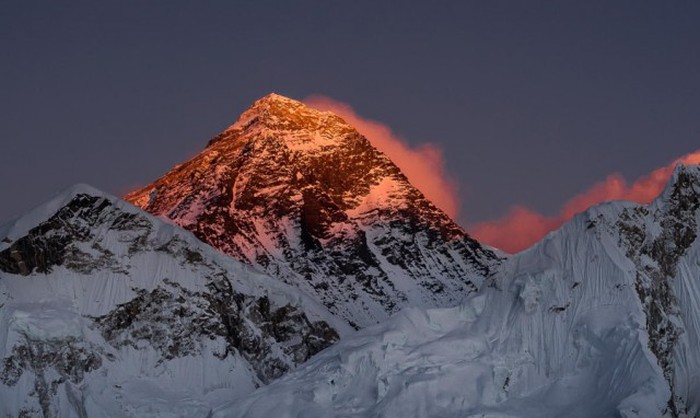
278	113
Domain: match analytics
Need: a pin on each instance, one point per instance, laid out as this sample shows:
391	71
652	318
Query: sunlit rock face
106	310
302	195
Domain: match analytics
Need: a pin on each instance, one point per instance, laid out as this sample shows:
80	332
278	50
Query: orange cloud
521	227
423	165
517	230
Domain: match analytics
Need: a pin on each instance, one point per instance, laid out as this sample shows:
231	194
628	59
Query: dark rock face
174	321
43	248
302	195
52	363
124	252
655	279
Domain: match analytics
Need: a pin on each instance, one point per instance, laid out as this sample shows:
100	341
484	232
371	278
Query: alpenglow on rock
302	195
108	311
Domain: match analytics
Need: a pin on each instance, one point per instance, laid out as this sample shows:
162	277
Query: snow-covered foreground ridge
106	311
600	319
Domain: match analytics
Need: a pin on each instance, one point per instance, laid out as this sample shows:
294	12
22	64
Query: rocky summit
303	196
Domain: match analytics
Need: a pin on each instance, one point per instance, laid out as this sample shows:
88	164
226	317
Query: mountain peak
274	104
301	194
688	175
684	183
277	113
276	98
42	212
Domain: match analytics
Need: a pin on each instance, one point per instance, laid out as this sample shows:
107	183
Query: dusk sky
530	103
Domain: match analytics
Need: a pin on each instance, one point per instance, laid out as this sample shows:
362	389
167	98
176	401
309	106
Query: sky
523	107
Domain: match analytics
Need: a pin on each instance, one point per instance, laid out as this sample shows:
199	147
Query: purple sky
532	102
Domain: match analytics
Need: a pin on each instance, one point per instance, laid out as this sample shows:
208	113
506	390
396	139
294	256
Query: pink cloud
517	230
522	227
423	165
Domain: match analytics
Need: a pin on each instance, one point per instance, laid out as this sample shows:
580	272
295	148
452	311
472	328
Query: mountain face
108	311
303	196
600	319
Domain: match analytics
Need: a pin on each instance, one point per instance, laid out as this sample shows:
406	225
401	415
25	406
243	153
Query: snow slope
108	311
600	319
302	195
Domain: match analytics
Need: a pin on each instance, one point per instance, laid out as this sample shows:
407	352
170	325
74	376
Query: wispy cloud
423	165
522	227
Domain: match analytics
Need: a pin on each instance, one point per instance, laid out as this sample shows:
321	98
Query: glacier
600	319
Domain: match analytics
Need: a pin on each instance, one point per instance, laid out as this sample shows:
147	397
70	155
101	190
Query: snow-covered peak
83	188
274	99
276	113
685	181
40	213
304	196
106	310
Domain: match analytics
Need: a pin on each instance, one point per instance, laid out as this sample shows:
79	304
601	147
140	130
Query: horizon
523	108
431	179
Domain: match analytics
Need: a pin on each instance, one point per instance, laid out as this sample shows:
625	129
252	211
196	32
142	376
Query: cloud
517	230
423	165
522	227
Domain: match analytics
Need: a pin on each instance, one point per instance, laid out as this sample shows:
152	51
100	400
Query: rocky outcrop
97	297
175	322
656	249
55	242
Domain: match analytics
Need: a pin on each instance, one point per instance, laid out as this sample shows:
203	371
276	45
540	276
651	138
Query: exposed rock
302	195
176	321
97	296
656	256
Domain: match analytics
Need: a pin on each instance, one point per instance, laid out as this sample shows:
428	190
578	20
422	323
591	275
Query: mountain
108	311
600	319
303	196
